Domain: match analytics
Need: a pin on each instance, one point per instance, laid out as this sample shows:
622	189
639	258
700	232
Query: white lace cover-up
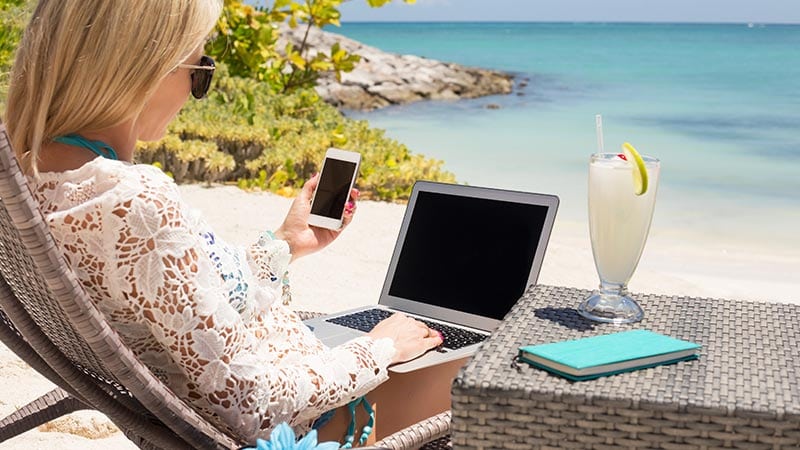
205	316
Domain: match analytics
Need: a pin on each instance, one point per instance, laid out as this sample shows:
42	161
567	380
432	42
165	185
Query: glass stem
609	289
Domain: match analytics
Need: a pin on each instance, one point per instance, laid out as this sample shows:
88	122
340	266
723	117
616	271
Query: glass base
611	308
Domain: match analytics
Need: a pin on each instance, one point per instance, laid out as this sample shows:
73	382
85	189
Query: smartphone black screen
333	189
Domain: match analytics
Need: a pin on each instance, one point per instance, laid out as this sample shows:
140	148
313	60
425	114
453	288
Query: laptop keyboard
454	337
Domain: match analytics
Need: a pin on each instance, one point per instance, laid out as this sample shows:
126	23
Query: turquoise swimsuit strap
99	148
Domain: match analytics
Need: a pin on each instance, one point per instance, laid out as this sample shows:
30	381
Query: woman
91	78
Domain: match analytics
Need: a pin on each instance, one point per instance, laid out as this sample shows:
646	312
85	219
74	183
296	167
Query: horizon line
597	22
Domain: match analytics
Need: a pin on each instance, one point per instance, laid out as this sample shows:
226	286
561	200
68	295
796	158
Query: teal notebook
609	354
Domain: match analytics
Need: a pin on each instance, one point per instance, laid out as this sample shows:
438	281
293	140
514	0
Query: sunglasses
201	76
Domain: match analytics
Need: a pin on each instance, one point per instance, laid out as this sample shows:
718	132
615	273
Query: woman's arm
175	289
270	256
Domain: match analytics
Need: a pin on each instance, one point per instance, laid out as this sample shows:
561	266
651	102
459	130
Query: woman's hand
304	239
411	337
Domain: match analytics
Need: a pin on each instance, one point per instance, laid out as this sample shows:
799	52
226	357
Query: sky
706	11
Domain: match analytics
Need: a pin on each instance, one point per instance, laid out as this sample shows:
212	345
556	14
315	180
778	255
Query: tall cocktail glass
619	221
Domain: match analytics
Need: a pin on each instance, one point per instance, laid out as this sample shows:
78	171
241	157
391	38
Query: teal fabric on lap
323	419
350	435
349	438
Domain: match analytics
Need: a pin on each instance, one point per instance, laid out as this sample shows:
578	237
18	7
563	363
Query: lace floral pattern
202	314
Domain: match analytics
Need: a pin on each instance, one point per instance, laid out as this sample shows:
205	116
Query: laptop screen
469	254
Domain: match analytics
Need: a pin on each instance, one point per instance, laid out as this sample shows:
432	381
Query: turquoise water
718	104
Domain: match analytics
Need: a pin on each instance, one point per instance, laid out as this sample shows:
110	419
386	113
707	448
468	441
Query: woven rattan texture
6	322
28	285
439	444
432	432
743	392
107	358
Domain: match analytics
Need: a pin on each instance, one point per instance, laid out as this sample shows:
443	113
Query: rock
394	93
492	106
381	79
356	97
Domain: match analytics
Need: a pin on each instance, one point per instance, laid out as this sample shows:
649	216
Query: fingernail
351	205
441	336
357	192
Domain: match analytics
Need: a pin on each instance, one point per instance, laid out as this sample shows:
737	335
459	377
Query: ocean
718	104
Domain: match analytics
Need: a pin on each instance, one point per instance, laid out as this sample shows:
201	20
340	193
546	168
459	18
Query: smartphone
336	180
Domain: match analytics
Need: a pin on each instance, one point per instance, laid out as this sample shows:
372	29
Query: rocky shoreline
382	79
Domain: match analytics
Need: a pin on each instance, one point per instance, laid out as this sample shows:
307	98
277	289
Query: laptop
463	257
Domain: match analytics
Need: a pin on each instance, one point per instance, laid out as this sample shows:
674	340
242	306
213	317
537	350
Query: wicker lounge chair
47	319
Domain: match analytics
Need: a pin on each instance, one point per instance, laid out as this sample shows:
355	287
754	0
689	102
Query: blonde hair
86	65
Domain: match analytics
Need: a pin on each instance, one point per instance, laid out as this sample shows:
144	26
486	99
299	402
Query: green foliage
276	142
245	42
13	14
247	38
379	3
245	133
187	160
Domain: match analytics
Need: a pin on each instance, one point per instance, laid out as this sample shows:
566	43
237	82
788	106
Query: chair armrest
419	434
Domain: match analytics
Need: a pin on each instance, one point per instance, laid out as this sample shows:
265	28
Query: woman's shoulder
145	174
103	180
118	170
125	170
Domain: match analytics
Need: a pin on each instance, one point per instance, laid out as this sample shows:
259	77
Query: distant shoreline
382	78
564	22
716	103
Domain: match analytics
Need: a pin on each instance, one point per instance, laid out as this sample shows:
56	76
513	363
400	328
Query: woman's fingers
411	337
350	208
433	342
310	185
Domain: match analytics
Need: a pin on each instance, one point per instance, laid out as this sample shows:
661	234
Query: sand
350	273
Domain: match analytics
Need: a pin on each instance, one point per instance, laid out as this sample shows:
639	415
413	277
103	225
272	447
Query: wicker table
743	392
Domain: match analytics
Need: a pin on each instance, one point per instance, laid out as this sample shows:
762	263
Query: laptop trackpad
333	335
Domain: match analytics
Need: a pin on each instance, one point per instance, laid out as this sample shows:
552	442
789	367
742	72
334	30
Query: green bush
187	160
246	134
276	142
246	39
13	14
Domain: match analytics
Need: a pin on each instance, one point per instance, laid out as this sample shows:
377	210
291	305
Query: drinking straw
599	121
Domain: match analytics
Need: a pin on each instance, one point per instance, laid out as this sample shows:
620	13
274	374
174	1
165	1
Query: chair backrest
50	309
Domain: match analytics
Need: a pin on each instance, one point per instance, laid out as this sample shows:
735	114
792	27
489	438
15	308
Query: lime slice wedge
639	169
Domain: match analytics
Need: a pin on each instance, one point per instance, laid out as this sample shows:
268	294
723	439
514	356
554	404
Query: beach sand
350	273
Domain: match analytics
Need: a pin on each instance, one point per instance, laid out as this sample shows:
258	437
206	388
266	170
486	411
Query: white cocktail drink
619	221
